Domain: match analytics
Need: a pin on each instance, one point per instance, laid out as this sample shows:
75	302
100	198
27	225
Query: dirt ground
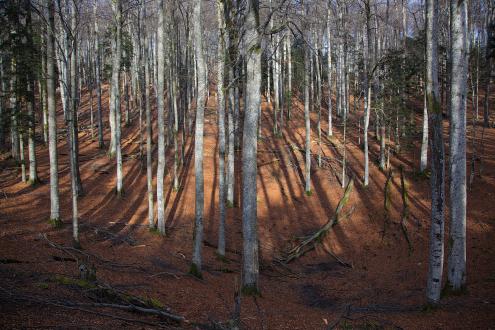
383	288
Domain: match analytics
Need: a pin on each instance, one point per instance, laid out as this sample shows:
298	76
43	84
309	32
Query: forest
247	164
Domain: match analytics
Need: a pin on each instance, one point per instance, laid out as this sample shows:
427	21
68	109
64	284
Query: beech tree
198	138
436	254
457	159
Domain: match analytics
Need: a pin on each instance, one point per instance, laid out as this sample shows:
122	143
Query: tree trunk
52	117
101	144
250	266
329	55
160	172
149	141
115	92
457	159
307	78
436	250
198	139
221	125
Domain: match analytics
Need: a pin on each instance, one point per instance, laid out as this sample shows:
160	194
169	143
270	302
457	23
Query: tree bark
198	140
221	125
250	266
457	159
437	179
52	117
160	172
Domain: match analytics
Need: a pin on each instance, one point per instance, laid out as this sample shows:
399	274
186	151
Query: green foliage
42	285
309	193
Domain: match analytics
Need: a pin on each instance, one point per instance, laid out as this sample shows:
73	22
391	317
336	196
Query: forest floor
383	288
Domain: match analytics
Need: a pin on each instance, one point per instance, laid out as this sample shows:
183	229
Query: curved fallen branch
309	243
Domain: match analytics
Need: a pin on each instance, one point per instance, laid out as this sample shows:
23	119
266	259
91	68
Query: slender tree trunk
33	170
457	159
149	142
101	144
424	139
250	264
115	93
198	139
221	125
230	179
289	76
367	87
14	129
436	253
329	55
160	86
52	117
307	78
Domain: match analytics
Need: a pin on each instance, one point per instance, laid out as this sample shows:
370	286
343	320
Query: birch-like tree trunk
149	141
424	139
160	172
72	123
437	179
367	48
457	159
307	121
115	92
329	61
101	144
250	262
52	117
289	75
198	139
30	101
221	125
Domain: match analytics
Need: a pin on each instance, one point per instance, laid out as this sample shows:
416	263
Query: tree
149	137
437	179
250	262
221	125
52	119
115	90
198	139
101	144
160	172
457	159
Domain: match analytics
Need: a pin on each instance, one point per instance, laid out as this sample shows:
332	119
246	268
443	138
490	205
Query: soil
384	288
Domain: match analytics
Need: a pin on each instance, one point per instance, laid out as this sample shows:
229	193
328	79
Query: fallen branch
340	261
75	306
310	242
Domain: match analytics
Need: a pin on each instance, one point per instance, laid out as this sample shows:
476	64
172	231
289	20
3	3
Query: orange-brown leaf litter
385	288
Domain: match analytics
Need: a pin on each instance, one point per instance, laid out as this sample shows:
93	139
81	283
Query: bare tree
52	116
198	139
221	57
457	159
160	172
250	264
436	254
